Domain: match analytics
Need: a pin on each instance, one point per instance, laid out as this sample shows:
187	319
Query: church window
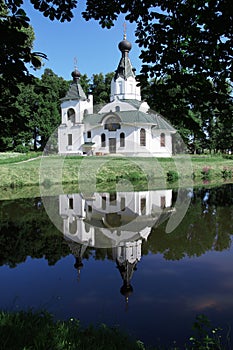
103	140
70	140
104	202
162	140
143	206
73	227
71	203
71	115
163	202
112	198
142	137
122	139
120	87
122	203
117	108
89	134
112	124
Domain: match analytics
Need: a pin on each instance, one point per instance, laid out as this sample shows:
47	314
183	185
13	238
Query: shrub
206	336
172	176
21	149
206	173
226	173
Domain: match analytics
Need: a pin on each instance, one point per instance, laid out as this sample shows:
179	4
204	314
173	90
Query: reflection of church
117	220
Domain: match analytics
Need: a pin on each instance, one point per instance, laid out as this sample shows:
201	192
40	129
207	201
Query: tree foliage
186	48
16	45
33	114
29	118
100	87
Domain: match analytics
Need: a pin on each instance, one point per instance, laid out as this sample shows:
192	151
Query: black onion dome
78	263
76	74
126	290
125	45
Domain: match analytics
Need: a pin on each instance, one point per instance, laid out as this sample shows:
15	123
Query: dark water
149	282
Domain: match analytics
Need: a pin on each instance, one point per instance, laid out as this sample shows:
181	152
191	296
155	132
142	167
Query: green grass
15	157
39	331
16	171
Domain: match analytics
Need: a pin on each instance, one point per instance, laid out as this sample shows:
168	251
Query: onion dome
125	45
76	74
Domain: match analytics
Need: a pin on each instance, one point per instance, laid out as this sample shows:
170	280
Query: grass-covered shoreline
38	330
27	170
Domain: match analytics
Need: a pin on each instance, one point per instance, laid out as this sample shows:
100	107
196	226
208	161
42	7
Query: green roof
132	117
88	144
133	103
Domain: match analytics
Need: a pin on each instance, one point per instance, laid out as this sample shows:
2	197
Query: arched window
142	137
73	227
120	88
143	206
162	140
117	108
122	139
103	140
71	115
112	123
89	134
70	140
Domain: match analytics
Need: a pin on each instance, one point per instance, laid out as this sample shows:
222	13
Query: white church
125	126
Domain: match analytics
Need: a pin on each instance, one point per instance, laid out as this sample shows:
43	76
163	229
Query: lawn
20	170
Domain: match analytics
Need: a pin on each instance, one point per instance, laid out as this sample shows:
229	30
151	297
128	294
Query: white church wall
125	89
70	139
113	106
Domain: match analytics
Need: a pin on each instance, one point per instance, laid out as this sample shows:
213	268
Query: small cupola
75	91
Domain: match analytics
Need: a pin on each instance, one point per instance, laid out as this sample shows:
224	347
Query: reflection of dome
125	45
78	263
126	290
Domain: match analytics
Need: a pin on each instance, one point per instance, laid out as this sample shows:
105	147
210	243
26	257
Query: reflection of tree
206	226
25	230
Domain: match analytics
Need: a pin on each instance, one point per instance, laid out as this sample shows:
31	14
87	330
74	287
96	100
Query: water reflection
120	220
179	274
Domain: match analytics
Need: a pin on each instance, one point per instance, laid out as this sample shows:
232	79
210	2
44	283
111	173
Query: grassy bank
18	171
38	330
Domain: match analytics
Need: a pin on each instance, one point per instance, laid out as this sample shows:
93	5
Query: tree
39	108
186	43
177	38
100	87
16	45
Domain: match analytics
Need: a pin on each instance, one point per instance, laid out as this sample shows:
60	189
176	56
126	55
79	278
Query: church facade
125	126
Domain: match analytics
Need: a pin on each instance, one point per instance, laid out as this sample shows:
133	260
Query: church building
125	126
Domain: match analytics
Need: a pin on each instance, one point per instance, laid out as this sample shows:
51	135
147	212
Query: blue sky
95	48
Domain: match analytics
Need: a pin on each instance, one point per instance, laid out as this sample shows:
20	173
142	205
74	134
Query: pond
109	258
